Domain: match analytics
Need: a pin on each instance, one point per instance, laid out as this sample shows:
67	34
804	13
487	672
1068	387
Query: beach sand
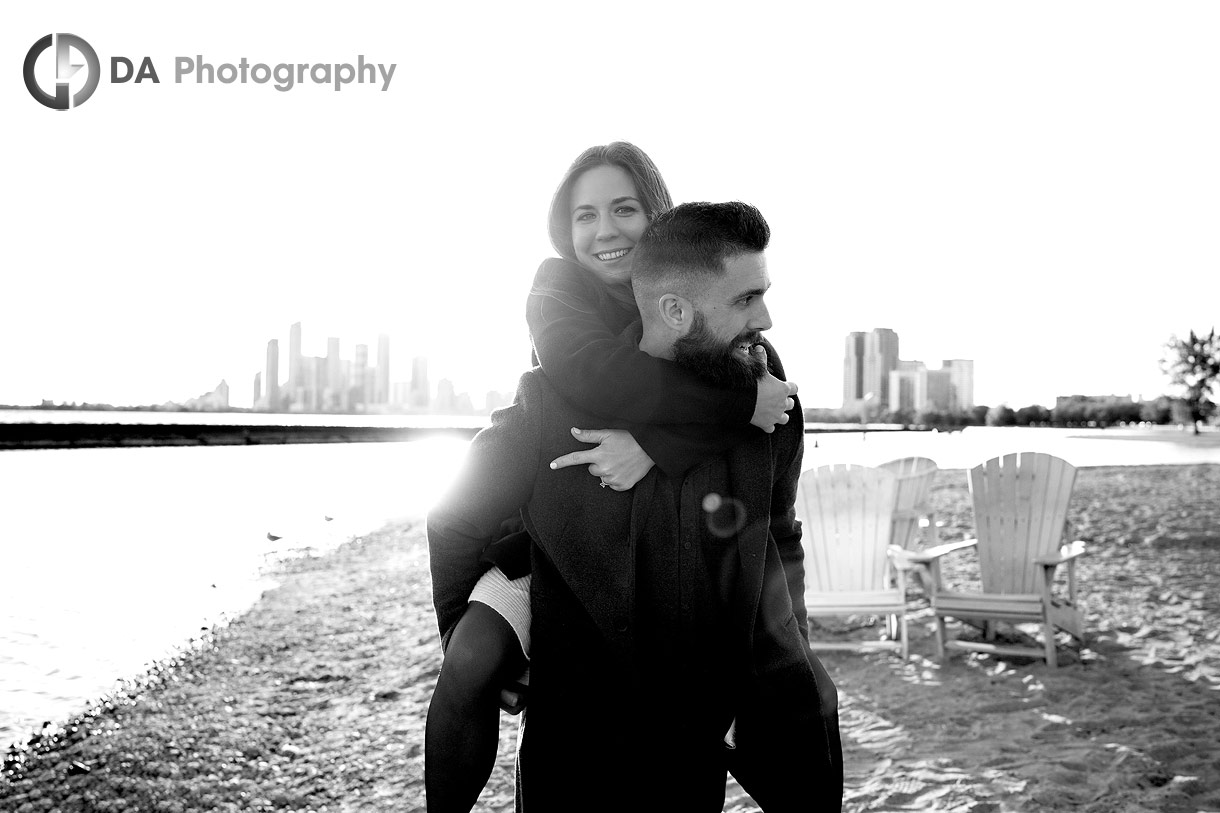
315	699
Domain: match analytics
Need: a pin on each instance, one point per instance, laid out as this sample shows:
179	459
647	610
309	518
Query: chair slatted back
1020	510
847	516
915	475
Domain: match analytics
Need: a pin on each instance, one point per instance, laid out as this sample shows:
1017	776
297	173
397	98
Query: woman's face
607	220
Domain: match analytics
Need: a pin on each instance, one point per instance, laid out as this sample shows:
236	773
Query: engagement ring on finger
604	484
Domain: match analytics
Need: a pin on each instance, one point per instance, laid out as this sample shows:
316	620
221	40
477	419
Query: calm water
234	418
112	558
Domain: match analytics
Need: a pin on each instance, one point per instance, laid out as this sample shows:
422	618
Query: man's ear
676	311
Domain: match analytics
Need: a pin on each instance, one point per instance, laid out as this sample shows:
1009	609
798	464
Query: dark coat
582	664
586	530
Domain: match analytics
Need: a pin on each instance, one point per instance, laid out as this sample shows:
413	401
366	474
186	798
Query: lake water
113	558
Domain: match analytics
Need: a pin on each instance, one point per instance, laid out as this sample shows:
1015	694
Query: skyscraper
294	360
880	359
961	377
419	382
273	375
940	391
868	360
360	376
381	392
853	368
334	375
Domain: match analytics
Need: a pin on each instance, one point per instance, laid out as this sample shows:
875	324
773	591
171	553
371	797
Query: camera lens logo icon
64	71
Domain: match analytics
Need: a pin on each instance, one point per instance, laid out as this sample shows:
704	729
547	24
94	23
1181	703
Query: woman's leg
463	726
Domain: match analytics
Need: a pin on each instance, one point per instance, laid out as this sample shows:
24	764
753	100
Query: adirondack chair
915	475
847	513
1020	512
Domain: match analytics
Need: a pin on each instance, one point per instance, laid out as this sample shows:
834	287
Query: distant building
494	400
294	360
335	384
332	398
908	387
362	378
880	359
853	369
941	397
446	401
381	392
1065	401
868	360
961	380
872	367
419	383
214	401
272	382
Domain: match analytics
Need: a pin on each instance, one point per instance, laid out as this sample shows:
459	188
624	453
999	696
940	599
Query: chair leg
940	638
1048	632
903	636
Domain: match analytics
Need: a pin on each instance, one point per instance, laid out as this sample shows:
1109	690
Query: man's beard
715	360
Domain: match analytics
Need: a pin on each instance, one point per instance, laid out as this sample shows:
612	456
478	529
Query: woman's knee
482	646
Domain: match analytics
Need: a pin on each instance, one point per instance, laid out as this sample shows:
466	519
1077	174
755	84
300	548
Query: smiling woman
607	221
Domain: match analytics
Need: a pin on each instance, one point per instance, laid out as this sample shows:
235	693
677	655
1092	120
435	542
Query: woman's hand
513	700
774	397
617	460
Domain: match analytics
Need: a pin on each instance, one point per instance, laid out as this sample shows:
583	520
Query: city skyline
1050	218
360	384
876	379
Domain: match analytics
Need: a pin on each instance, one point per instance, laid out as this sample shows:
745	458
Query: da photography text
283	76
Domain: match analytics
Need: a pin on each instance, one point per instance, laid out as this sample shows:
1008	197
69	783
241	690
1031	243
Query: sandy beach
315	699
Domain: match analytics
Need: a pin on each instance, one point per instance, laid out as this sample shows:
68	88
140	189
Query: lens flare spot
725	516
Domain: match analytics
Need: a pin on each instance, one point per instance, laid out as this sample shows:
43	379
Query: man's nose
761	320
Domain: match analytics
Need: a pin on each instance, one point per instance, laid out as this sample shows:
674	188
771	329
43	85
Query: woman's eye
583	217
625	211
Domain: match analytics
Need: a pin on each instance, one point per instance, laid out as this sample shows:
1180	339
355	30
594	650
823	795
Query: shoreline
108	435
314	699
15	436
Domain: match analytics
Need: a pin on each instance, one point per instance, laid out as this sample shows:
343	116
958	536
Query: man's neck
658	346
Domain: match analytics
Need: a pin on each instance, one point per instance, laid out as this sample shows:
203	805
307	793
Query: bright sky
1034	186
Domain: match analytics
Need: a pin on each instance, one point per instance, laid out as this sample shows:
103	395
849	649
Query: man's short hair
692	241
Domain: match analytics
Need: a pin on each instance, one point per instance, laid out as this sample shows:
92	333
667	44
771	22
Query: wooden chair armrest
919	557
1066	553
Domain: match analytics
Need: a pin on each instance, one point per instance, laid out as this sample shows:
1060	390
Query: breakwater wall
81	435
